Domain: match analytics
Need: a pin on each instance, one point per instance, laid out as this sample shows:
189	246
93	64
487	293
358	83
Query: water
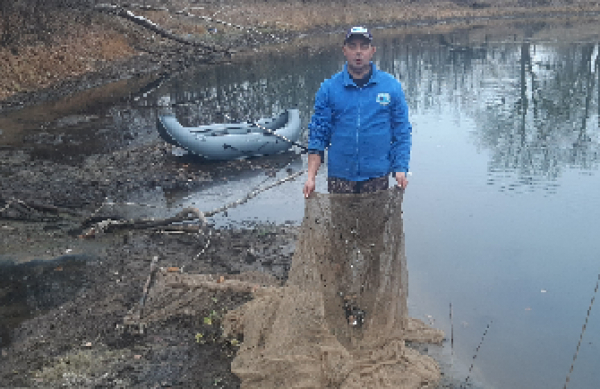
503	207
502	212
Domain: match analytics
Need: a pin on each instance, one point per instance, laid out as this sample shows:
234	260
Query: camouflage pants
340	185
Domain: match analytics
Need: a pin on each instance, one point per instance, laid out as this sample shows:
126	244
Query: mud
63	296
78	340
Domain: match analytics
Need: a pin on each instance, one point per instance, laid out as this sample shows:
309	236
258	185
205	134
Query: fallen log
188	229
148	24
109	225
186	281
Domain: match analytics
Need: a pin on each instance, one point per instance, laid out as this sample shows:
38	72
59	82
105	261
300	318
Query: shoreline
124	50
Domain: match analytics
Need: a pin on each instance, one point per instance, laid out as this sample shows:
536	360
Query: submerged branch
110	224
254	193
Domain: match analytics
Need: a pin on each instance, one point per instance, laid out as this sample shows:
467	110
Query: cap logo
361	31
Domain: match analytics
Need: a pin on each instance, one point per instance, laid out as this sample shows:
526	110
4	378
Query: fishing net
341	319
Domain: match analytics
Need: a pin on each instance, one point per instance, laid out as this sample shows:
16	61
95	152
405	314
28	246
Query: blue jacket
366	130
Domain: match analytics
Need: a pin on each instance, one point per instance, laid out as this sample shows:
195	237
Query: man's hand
401	180
309	187
314	161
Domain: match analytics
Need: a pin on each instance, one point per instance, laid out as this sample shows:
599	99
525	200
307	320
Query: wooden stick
253	194
111	225
153	269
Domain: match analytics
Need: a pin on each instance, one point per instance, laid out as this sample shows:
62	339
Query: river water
503	208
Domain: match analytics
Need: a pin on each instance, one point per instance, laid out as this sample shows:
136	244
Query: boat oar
304	148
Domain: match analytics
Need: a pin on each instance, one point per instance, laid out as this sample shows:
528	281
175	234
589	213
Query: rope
477	351
582	332
304	148
254	194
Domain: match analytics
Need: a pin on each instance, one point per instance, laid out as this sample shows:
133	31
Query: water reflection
535	104
545	117
89	122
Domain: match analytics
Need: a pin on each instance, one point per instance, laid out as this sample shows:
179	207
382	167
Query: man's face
358	52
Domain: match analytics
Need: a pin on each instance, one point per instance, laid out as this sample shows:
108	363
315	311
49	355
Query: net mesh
341	320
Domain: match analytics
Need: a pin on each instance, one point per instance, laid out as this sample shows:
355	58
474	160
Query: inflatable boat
234	140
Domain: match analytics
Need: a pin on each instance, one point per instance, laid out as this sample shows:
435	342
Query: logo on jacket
383	98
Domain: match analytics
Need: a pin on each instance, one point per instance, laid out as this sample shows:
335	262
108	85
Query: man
361	116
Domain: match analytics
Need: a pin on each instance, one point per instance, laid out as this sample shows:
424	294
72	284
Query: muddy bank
78	342
63	295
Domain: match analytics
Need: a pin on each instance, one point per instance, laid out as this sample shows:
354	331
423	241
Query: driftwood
29	207
182	216
199	281
143	22
134	314
153	268
190	229
186	12
110	225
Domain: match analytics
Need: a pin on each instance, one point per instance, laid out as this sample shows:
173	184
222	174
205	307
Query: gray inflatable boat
234	140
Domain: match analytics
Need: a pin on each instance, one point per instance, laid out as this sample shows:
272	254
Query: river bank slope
84	45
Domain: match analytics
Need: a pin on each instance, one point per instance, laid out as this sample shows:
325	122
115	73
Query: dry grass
300	16
39	66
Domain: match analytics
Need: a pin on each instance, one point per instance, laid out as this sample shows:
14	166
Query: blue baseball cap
358	31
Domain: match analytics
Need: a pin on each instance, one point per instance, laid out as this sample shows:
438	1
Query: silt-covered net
341	319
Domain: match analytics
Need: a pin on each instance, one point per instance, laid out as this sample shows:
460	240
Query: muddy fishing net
341	319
